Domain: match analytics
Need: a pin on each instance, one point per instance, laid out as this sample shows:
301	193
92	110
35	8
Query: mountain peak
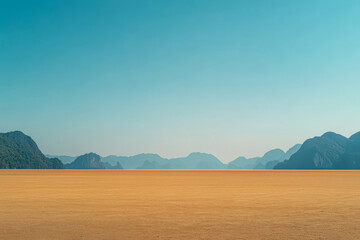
18	135
91	154
331	135
15	133
87	161
199	154
202	156
274	153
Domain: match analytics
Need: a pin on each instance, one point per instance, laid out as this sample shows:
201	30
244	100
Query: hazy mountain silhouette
272	155
109	166
120	162
134	162
195	161
63	158
330	151
242	163
271	164
150	165
292	151
154	161
18	150
268	161
86	161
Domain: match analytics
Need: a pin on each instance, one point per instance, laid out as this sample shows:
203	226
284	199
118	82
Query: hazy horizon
173	157
229	78
186	154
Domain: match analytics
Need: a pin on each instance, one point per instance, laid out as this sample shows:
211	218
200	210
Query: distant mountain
86	161
68	159
195	161
151	165
271	164
272	155
117	166
134	162
200	161
63	158
268	161
154	161
18	150
330	151
292	151
242	163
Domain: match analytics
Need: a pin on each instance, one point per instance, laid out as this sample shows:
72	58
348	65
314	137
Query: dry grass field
50	204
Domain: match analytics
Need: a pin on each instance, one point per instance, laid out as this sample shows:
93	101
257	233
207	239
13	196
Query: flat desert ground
65	204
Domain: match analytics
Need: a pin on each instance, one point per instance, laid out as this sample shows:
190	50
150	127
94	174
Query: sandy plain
65	204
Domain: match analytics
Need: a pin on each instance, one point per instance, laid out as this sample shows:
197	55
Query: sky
230	78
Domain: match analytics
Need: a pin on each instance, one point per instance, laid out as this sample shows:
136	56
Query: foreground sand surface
50	204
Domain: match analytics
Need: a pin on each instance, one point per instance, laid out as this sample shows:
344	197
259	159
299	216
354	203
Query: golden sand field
50	204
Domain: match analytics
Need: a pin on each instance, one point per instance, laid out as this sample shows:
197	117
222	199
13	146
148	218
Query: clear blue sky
172	77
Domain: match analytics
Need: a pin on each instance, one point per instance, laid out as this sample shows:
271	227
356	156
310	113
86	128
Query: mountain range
268	161
194	160
329	151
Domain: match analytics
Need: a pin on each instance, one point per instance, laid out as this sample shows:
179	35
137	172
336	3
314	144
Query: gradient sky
229	78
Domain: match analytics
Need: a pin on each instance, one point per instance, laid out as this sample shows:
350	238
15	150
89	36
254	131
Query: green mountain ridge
19	151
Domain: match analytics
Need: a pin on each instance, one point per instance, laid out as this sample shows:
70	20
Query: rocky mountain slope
18	150
86	161
329	151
